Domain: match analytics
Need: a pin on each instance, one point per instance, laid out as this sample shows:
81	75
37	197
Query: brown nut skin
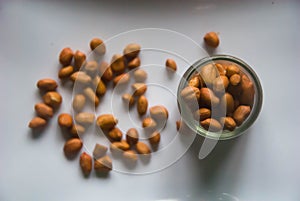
149	123
132	136
47	84
121	79
118	64
86	163
132	50
190	94
229	123
106	121
90	94
159	112
194	82
72	147
241	113
81	77
220	84
78	102
154	138
79	59
53	99
99	151
231	70
128	99
178	124
66	56
212	39
235	79
97	45
140	75
65	120
101	88
65	72
211	125
130	155
105	71
202	114
142	105
142	148
221	69
209	73
139	88
119	146
208	98
227	103
134	63
76	130
37	122
43	110
247	91
85	118
171	65
115	134
103	164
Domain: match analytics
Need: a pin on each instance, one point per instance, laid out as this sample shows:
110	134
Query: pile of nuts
91	79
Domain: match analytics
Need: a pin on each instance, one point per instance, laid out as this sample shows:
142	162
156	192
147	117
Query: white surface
258	166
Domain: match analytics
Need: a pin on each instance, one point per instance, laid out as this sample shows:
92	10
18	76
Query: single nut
232	69
79	59
65	72
78	102
208	98
190	94
90	94
159	112
101	88
99	151
149	123
47	84
121	79
134	63
96	80
132	136
37	122
202	114
85	118
235	91
117	64
248	91
178	125
77	130
142	105
235	79
220	84
43	110
171	65
106	121
115	134
65	120
72	147
117	146
91	67
194	82
130	155
128	99
211	39
66	56
103	164
227	103
98	46
221	69
241	113
81	77
229	123
211	125
140	75
154	138
142	148
139	89
106	73
52	99
86	163
132	50
209	73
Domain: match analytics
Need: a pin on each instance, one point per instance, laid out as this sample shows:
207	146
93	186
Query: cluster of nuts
224	88
91	80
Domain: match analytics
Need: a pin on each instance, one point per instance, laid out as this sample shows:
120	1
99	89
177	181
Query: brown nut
235	79
65	72
159	112
37	122
142	148
139	89
47	84
101	88
81	77
78	102
178	125
106	73
202	114
131	50
209	73
115	134
247	92
66	56
232	69
79	59
132	136
72	147
65	120
52	99
227	103
190	94
117	64
142	105
97	45
211	125
77	130
149	123
106	121
241	113
130	155
85	118
99	151
208	98
103	164
91	67
119	146
43	110
194	82
154	138
121	79
211	39
221	69
134	63
128	99
90	94
140	75
229	123
220	84
85	163
171	65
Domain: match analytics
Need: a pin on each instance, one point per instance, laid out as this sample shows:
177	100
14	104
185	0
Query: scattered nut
47	84
121	79
85	118
91	67
132	50
130	155
142	105
132	136
115	134
171	64
37	122
90	94
139	89
142	148
149	123
65	120
140	75
79	59
101	88
52	99
190	94
106	73
81	77
98	46
154	139
103	164
106	121
43	110
86	163
99	151
72	147
78	102
212	39
134	63
159	112
77	130
65	72
117	64
128	99
66	56
117	146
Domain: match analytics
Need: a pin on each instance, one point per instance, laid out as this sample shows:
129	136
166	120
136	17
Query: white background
262	165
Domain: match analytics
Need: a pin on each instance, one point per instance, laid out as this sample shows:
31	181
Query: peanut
134	63
96	81
79	59
159	113
65	120
128	99
37	122
117	146
115	134
211	39
90	94
117	64
232	69
101	88
86	163
77	130
194	82
121	79
241	113
154	138
98	46
47	84
78	102
132	136
227	103
149	123
171	65
208	98
131	50
72	147
178	125
190	94
202	114
103	164
65	72
209	73
130	155
211	125
66	56
142	105
142	148
221	69
85	118
91	67
140	75
139	89
106	121
220	84
81	77
106	72
99	151
228	123
43	110
235	79
248	91
52	99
